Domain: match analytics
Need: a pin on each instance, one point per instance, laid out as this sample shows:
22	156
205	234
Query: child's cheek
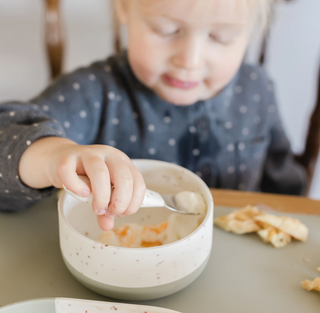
146	63
141	68
224	70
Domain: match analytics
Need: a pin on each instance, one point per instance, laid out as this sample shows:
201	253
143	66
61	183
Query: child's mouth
173	82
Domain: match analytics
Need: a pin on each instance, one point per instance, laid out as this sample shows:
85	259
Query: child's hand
117	186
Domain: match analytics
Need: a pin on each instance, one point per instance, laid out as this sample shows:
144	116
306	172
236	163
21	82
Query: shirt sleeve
70	107
281	174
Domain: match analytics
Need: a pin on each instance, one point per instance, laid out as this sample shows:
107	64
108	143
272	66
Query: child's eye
167	32
219	39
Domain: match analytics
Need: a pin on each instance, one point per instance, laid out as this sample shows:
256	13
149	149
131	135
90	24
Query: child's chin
179	100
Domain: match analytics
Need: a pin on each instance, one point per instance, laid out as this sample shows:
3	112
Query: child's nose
189	54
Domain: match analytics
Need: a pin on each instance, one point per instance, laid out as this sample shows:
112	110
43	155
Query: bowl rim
210	207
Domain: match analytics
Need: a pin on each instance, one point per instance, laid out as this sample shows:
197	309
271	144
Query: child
181	94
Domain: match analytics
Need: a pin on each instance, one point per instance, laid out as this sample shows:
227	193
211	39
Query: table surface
281	203
31	265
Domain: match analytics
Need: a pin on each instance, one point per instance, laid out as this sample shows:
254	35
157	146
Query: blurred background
292	59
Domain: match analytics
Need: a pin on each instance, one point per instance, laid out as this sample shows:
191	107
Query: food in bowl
176	227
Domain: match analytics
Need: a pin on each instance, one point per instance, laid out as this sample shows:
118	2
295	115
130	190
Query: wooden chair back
53	34
308	159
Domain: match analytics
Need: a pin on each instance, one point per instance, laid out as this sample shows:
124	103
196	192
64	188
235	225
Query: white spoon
151	199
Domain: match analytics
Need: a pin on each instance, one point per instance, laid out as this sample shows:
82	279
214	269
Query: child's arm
33	152
56	161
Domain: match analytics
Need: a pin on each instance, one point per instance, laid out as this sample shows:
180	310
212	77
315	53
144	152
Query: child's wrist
34	165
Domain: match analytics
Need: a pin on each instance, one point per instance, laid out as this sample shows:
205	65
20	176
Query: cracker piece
278	238
311	285
240	221
288	225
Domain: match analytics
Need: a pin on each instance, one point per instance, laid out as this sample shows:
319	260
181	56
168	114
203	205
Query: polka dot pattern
196	152
243	109
238	89
256	98
192	129
152	151
226	103
61	98
92	77
172	141
230	147
228	125
151	128
111	95
253	76
231	123
271	108
242	167
241	146
257	119
245	131
133	138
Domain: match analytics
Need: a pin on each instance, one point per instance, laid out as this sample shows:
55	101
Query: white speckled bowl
136	273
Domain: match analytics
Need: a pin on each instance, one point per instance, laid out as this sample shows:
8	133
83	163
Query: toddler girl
180	93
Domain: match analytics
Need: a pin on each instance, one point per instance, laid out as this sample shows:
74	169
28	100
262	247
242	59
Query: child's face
186	50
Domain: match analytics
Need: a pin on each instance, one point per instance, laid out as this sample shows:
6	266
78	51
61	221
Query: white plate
66	305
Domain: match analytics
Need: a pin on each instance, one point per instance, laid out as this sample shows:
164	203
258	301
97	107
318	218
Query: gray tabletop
243	274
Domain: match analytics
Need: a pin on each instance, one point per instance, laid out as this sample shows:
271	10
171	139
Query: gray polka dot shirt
234	140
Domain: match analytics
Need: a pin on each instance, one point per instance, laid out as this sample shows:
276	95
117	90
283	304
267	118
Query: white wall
293	55
293	63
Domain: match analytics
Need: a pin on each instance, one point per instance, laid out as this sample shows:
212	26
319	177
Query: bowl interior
81	217
162	177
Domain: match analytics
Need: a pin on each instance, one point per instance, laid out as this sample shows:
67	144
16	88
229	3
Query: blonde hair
262	13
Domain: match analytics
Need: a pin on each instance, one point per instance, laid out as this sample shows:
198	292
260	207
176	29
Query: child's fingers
98	174
139	189
122	186
105	222
69	178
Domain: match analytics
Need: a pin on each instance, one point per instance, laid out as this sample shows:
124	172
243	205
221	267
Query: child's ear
121	10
